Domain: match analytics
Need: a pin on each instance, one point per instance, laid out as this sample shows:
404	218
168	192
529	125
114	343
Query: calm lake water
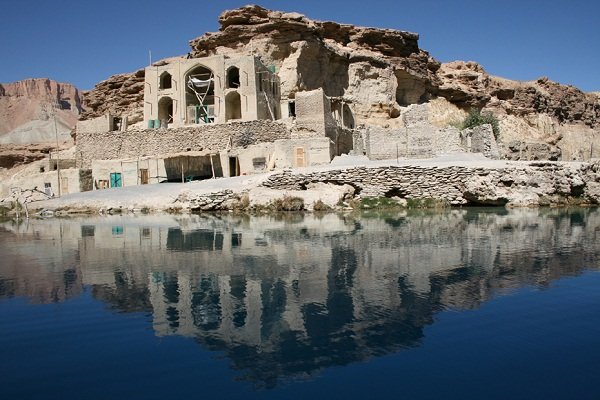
463	304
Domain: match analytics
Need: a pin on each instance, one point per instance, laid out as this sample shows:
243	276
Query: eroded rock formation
378	72
121	94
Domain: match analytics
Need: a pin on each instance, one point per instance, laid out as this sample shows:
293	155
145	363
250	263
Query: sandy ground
163	195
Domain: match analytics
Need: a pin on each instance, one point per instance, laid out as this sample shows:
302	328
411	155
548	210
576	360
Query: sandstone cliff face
377	70
381	71
27	107
121	94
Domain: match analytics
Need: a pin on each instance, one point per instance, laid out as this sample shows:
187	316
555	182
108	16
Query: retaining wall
139	143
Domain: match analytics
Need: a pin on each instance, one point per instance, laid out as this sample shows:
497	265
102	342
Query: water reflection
288	296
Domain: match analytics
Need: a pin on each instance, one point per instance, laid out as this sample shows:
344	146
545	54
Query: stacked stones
207	201
525	185
139	143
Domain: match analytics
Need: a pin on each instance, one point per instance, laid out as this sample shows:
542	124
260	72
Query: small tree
477	118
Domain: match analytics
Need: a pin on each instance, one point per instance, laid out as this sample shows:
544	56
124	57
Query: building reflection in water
287	296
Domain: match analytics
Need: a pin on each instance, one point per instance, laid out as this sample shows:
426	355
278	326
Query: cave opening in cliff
165	110
409	90
233	77
200	95
165	81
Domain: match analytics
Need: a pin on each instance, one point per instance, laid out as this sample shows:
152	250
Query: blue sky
86	41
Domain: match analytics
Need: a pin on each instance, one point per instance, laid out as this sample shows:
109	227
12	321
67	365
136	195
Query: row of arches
233	79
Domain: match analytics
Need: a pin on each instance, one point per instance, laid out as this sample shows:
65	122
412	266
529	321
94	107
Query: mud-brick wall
138	143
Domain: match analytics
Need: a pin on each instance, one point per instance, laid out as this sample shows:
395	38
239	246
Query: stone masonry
138	143
527	185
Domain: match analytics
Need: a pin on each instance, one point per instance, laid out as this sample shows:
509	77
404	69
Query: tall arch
233	106
165	109
200	95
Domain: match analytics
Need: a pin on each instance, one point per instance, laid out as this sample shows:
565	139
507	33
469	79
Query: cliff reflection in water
287	296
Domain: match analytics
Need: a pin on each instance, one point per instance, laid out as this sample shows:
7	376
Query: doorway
234	166
115	179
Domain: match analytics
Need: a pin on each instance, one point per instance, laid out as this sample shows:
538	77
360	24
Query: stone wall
523	185
139	143
480	139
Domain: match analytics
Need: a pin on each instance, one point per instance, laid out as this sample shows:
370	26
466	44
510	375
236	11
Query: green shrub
477	118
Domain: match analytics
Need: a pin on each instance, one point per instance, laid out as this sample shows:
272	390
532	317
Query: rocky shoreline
407	184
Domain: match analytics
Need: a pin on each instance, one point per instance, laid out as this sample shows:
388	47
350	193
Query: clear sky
85	41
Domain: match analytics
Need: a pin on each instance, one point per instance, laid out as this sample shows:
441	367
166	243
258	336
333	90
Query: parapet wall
138	143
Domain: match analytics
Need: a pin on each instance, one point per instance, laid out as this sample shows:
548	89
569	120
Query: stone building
211	117
217	89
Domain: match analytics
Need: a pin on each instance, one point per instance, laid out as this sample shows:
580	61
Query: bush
428	203
320	206
374	203
288	203
477	118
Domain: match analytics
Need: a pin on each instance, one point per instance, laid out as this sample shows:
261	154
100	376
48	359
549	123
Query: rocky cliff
381	71
121	94
27	108
33	114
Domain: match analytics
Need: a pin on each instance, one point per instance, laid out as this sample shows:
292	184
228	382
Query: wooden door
144	177
300	157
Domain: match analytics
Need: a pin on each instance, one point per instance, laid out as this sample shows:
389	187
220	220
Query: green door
115	179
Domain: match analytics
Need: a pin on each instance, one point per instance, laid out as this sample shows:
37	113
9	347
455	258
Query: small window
233	78
87	230
165	81
259	163
292	108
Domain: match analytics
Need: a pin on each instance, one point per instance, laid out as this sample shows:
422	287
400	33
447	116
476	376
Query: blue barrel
157	123
150	124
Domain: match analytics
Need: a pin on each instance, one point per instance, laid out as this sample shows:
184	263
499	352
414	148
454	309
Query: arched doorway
233	106
165	110
200	95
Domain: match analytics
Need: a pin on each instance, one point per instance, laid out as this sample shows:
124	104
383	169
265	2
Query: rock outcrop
28	108
121	94
378	72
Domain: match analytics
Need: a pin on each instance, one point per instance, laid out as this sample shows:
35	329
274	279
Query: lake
460	304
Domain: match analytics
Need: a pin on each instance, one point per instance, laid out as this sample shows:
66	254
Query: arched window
165	80
233	78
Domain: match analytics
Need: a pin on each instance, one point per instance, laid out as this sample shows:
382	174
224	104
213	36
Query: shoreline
354	182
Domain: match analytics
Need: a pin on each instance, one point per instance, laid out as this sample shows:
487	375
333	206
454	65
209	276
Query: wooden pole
212	167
